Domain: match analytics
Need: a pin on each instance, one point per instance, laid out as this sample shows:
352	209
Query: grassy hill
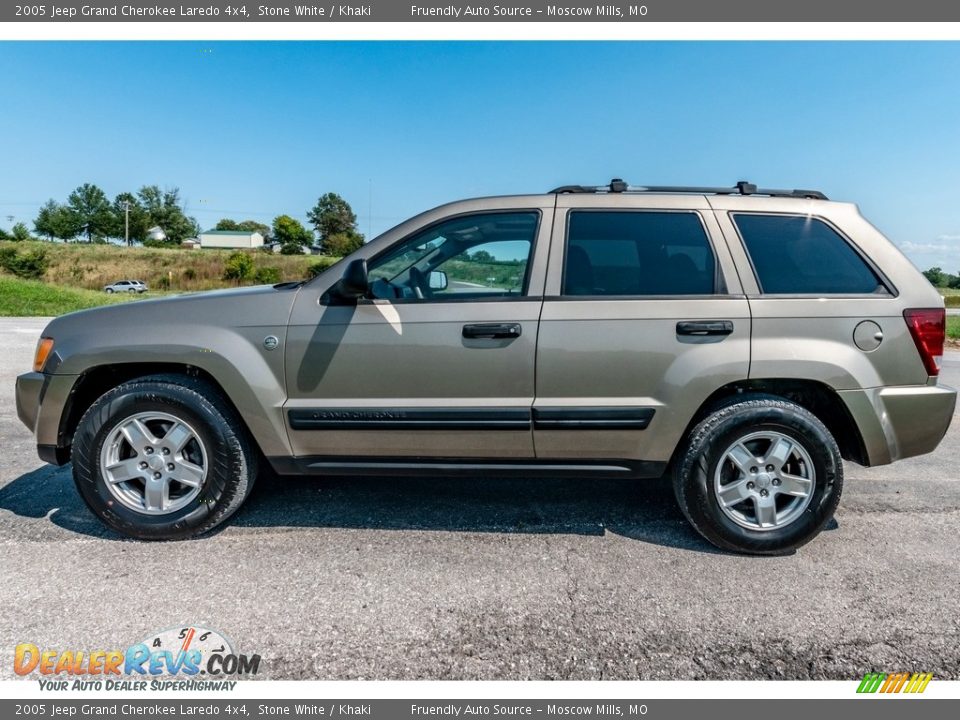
90	267
77	272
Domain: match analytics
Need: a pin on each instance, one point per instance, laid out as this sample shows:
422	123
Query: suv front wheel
163	457
760	475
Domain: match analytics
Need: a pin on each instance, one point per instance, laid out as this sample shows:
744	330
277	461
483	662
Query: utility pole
126	221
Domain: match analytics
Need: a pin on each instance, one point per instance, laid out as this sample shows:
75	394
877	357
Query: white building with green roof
231	239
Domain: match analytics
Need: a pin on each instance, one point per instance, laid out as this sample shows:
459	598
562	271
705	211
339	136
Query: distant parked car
137	286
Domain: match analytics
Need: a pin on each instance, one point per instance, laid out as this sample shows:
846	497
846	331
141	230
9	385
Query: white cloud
944	252
909	246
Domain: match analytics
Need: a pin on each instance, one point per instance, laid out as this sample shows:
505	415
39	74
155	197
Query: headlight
44	348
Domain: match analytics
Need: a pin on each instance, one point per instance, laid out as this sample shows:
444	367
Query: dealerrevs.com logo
202	659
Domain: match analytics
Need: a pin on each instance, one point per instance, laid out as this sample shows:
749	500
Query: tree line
334	228
939	278
88	215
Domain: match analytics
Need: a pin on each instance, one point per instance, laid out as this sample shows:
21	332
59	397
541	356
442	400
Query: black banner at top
481	11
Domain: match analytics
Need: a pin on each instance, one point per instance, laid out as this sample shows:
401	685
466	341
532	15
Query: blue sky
253	130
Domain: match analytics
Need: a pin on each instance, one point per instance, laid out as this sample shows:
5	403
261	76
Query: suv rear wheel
760	475
163	458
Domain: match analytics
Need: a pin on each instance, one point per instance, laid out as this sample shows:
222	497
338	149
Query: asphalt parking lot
340	578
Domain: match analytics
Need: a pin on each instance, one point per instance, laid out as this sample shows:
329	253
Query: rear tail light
928	326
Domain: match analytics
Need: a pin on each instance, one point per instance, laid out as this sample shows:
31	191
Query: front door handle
492	331
704	327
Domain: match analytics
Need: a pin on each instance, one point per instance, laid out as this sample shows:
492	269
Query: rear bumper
900	422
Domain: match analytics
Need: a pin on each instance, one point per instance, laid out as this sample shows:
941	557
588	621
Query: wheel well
822	400
98	380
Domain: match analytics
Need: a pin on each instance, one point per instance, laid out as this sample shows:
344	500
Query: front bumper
900	422
41	402
30	388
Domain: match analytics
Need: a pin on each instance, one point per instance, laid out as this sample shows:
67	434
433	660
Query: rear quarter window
803	255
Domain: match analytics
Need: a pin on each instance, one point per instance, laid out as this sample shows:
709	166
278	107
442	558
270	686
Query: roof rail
741	188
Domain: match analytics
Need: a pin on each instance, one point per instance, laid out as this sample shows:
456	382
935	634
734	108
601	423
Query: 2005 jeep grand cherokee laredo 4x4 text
744	340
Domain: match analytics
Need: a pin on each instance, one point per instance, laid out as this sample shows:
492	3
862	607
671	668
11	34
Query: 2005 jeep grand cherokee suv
744	340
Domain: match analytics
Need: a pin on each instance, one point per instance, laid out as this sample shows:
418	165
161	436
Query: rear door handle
704	327
492	331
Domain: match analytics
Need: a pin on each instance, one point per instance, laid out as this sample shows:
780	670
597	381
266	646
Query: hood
189	317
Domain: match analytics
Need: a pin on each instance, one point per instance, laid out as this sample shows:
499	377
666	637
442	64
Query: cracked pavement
343	578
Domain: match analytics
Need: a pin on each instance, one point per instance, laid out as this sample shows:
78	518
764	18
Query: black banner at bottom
873	707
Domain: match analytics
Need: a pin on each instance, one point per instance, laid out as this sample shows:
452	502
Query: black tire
232	461
703	450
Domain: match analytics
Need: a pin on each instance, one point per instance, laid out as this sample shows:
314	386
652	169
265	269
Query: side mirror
355	283
438	280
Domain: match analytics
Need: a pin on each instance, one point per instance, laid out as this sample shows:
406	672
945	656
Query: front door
439	361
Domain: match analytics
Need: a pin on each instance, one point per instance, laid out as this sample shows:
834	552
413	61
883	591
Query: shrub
291	249
29	265
319	266
267	276
189	274
239	267
163	282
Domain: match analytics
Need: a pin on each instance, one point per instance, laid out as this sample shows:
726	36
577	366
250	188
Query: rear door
643	319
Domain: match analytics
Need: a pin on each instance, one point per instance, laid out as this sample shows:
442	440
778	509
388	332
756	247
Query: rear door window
803	255
630	253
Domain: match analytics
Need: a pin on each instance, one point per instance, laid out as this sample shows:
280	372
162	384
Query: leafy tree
954	281
91	211
246	225
481	256
57	221
4	235
165	209
291	234
140	220
332	215
254	226
344	243
46	223
20	232
935	276
239	267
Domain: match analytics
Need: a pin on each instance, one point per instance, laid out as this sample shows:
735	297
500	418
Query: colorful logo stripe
895	683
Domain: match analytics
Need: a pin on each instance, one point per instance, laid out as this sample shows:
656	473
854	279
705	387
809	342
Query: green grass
953	327
20	298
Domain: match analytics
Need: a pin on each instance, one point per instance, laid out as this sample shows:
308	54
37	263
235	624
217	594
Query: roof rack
741	188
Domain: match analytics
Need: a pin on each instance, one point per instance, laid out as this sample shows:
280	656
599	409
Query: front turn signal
44	348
